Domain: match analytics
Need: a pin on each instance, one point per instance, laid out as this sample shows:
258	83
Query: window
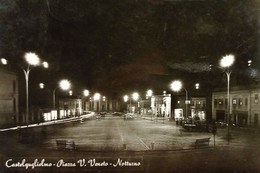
234	101
220	101
240	101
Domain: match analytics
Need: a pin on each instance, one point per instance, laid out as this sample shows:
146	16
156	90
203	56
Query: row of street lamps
226	62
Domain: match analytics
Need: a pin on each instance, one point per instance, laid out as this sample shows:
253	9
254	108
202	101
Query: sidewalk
86	116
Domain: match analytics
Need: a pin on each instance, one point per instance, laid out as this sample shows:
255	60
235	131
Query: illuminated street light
70	93
86	93
104	98
3	61
197	86
135	96
176	86
226	62
149	93
41	85
45	64
34	60
126	98
96	96
249	63
64	85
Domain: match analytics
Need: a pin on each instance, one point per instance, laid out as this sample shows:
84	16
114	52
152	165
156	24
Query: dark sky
119	46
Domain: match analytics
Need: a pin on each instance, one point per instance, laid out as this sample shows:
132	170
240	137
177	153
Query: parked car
199	127
129	116
103	114
98	116
221	124
117	114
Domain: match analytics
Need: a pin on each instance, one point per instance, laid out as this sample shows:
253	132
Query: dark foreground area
100	148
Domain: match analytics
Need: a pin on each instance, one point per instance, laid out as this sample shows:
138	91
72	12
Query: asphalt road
157	146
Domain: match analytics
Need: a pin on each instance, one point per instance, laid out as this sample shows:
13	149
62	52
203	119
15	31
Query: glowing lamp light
227	61
32	58
164	93
3	61
41	85
176	85
249	62
45	64
135	96
64	84
70	93
104	98
149	93
125	98
96	96
197	85
86	93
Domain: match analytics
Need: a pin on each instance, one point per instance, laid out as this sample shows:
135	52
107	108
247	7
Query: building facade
72	107
244	106
161	105
102	105
9	113
194	107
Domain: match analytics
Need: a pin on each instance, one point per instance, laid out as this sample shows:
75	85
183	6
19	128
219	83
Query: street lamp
97	98
226	62
135	97
41	85
126	98
64	85
176	86
32	60
3	61
85	94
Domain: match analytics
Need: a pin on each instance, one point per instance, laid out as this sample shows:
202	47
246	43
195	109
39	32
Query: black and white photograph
130	86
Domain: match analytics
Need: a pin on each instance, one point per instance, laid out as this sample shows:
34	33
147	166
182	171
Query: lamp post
33	60
125	100
226	62
85	94
97	98
176	86
135	97
149	93
64	85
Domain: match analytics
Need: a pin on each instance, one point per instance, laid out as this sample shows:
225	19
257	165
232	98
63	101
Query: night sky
116	47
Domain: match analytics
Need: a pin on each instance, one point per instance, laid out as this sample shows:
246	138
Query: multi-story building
71	107
9	113
244	106
193	107
102	105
